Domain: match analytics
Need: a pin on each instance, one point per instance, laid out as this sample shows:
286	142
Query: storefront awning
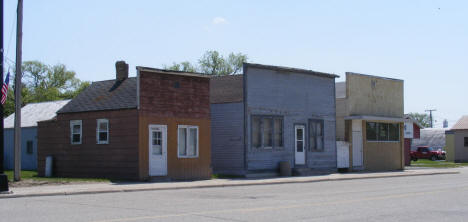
375	118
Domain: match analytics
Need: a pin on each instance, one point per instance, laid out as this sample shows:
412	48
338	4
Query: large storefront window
383	131
267	132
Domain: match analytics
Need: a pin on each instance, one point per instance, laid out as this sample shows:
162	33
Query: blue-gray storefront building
272	114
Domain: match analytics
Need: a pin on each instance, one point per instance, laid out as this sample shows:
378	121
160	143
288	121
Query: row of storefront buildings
182	125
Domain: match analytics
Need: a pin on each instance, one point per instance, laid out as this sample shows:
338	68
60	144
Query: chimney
121	69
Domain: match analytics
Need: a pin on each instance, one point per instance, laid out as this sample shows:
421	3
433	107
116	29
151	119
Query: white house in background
30	115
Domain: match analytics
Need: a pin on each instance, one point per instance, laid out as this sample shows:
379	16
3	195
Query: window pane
383	131
192	142
256	136
76	128
394	131
182	141
318	131
103	136
319	142
466	141
103	126
299	134
312	133
29	147
371	131
278	132
300	146
267	132
76	138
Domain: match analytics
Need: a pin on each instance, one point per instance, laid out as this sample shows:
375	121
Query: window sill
102	143
187	157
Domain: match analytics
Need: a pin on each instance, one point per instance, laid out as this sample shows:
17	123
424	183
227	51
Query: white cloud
219	21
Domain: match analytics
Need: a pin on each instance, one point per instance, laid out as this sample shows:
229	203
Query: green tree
42	83
213	63
183	66
421	118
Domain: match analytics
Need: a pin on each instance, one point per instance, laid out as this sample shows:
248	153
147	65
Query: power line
430	114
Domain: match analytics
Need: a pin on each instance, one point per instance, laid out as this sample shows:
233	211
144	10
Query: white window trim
188	127
99	121
73	123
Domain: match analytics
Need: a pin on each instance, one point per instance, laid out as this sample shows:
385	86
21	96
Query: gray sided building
272	114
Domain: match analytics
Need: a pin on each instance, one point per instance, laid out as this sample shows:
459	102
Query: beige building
370	118
457	141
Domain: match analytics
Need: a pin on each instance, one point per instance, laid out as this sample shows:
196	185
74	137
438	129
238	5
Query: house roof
432	137
35	112
462	124
227	89
408	117
180	73
289	69
340	90
105	95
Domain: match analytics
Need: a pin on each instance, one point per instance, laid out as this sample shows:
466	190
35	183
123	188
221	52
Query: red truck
426	152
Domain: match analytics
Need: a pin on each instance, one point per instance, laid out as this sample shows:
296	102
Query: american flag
5	88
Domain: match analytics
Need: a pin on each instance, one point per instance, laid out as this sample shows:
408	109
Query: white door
357	149
299	142
357	143
157	150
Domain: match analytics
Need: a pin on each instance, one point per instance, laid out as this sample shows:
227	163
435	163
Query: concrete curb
234	183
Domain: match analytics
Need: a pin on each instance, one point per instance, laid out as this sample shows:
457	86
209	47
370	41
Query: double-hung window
267	132
315	135
102	131
75	131
383	132
187	141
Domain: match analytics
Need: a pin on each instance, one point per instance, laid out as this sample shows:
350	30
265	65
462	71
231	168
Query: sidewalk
91	188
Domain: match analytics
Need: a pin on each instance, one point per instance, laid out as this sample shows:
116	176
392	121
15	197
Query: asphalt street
416	198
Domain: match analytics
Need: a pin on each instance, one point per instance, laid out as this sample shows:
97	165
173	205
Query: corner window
383	132
466	141
29	147
315	135
102	131
187	141
76	131
267	132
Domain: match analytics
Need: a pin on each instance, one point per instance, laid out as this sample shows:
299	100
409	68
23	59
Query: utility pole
19	73
3	177
430	114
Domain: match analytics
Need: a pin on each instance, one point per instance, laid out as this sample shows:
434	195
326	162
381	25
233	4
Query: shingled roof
462	124
227	89
105	95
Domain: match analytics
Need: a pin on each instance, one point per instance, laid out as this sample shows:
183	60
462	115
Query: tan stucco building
370	118
457	141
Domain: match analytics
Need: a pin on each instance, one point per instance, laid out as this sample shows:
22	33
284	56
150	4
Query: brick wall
118	159
168	95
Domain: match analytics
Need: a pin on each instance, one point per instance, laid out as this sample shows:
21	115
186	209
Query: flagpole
19	36
3	177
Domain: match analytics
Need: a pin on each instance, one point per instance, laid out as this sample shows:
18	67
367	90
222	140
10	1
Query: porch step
303	171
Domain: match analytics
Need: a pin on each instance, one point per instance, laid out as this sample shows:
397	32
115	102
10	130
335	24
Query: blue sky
425	43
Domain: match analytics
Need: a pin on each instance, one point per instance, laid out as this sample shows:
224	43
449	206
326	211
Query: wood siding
177	168
227	138
381	156
297	97
116	160
173	100
28	161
